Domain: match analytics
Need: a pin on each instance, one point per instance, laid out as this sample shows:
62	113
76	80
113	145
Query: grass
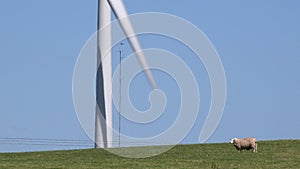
271	154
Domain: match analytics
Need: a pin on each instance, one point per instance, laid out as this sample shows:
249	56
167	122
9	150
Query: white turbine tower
103	134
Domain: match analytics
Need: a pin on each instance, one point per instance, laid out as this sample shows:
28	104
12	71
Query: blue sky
257	41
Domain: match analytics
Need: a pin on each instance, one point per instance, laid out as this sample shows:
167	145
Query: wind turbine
103	134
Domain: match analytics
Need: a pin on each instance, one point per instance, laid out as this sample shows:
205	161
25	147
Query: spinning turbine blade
103	120
120	12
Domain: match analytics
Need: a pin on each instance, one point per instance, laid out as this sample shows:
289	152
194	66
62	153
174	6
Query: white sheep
245	143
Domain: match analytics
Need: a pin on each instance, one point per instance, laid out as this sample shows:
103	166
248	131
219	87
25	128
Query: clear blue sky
258	43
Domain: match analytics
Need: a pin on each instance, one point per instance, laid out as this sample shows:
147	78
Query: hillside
271	154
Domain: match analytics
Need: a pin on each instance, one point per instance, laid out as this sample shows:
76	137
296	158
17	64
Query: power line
45	142
51	142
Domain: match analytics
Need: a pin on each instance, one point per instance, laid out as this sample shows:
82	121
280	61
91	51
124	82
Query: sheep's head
232	140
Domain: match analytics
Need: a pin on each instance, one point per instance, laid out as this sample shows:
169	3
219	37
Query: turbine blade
103	120
120	12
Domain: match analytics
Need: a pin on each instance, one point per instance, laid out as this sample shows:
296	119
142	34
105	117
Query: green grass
271	154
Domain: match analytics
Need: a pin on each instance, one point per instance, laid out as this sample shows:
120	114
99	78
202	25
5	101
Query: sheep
244	143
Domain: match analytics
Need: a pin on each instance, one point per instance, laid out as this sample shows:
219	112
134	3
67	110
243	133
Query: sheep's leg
256	147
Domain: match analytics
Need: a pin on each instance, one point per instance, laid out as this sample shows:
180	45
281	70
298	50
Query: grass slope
271	154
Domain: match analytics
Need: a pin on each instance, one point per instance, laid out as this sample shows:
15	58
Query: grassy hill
271	154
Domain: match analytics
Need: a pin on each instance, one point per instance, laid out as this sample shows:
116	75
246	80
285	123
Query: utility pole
120	90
